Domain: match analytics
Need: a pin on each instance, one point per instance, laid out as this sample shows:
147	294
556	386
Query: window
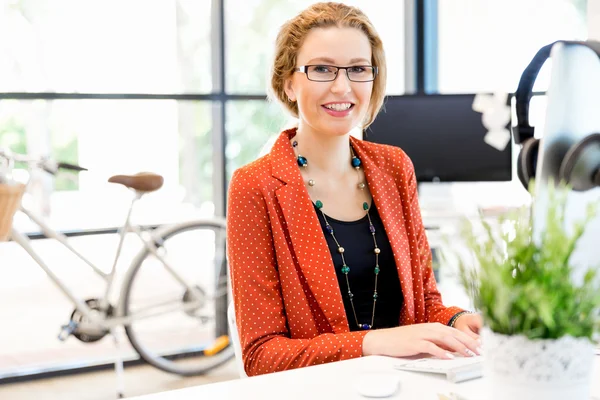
250	39
111	46
251	129
144	53
110	137
486	45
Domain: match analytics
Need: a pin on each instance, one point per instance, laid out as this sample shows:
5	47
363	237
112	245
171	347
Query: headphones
580	165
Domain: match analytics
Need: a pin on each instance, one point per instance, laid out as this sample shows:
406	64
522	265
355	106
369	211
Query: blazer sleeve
434	309
259	309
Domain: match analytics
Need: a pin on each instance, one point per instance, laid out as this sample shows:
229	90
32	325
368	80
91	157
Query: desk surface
336	381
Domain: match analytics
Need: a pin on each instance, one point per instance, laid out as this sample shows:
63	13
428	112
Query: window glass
133	46
110	137
486	45
250	39
252	127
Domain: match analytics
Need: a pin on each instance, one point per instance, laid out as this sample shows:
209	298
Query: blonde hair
322	15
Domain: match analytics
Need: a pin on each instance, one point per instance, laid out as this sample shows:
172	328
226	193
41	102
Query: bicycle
165	251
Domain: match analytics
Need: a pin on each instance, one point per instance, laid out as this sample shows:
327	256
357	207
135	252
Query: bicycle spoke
174	302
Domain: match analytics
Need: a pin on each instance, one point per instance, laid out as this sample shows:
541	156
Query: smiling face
331	108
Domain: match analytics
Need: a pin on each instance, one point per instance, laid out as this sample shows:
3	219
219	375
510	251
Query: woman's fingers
471	343
442	332
428	347
457	346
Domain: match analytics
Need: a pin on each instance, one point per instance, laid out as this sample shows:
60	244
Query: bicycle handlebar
43	163
15	157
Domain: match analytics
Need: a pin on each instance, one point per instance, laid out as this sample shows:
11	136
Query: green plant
527	287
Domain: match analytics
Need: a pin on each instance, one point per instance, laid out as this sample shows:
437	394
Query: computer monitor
443	136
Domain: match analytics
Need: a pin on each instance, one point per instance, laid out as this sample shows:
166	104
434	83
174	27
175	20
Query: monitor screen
443	136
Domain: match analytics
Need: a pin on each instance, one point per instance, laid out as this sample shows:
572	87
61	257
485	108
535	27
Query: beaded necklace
356	164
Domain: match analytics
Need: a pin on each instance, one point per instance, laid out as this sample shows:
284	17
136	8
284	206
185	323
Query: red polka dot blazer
288	303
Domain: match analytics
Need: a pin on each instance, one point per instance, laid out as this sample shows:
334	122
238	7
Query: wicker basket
10	199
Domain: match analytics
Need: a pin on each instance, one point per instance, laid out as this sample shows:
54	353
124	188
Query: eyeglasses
328	73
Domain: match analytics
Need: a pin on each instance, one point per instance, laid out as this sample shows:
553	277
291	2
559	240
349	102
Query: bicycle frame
95	318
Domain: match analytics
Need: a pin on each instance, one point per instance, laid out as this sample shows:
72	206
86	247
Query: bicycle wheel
173	328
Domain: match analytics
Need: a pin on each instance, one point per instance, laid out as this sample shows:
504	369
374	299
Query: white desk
336	381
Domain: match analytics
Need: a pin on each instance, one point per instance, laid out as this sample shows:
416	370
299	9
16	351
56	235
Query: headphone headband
523	130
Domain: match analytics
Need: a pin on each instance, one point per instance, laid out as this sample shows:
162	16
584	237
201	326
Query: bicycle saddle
142	181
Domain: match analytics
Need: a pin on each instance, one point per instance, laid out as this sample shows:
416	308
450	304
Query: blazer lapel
389	204
309	245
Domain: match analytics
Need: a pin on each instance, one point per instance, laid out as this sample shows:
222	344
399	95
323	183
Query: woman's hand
431	338
470	324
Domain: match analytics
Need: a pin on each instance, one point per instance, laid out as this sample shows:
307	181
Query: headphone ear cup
527	161
581	165
520	172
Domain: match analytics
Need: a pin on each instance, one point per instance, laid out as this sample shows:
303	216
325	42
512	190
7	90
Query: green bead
365	206
375	295
376	270
319	204
345	269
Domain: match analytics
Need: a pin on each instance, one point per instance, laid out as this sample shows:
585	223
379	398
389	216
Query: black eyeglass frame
304	70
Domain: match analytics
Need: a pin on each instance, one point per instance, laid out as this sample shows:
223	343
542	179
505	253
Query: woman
327	250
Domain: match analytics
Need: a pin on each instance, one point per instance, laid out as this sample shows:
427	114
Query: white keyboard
457	370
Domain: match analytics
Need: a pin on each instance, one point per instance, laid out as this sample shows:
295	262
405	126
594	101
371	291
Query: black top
357	241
